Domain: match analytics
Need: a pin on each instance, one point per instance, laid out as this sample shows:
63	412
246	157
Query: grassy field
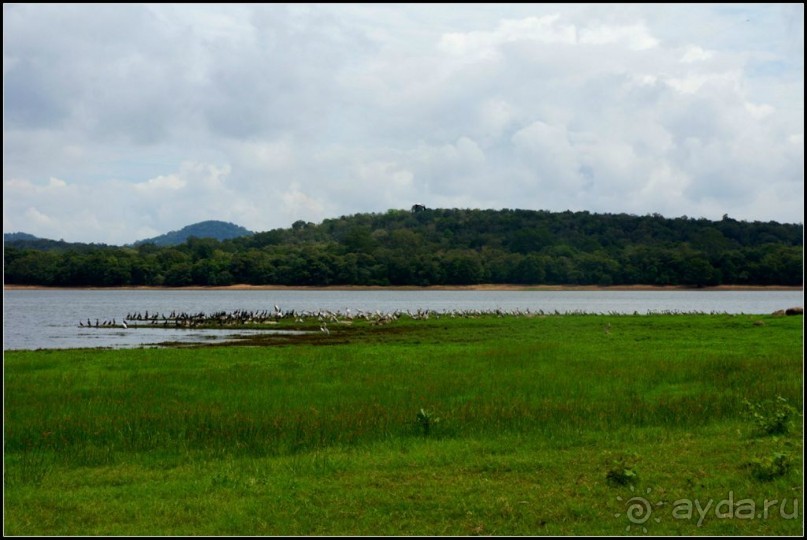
552	425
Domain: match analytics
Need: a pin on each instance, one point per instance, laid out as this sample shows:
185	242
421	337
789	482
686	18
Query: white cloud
691	83
300	205
759	111
693	53
264	155
635	36
161	184
141	118
548	151
385	174
495	115
38	218
483	44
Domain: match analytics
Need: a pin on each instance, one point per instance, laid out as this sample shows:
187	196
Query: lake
49	319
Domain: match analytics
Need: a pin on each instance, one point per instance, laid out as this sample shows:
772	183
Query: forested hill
436	246
220	230
28	241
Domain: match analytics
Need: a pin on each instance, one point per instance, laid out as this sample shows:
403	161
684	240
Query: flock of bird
240	318
103	324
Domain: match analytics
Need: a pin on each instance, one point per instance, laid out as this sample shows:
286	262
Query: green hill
23	240
218	230
19	237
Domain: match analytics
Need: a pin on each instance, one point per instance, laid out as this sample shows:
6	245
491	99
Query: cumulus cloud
133	120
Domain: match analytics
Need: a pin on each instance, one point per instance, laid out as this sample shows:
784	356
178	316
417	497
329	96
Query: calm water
49	319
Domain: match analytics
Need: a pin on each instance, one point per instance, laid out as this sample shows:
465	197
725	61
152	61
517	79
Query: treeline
444	247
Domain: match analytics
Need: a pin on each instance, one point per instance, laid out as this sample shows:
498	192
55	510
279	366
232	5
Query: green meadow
668	424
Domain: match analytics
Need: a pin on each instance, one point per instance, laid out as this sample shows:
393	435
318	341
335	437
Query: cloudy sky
122	122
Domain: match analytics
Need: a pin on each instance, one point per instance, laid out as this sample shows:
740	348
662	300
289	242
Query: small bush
622	471
774	466
771	417
425	420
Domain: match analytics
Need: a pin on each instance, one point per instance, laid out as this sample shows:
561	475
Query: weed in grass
426	420
622	470
771	467
772	416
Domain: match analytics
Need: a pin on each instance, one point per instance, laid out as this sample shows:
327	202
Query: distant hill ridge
29	241
219	230
19	237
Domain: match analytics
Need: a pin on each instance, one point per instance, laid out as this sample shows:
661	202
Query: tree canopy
442	247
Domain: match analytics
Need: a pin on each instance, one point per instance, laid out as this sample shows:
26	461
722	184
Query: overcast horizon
127	121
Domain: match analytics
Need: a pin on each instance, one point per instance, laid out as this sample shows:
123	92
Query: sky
126	121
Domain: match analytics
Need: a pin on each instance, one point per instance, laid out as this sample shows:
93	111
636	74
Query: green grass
320	435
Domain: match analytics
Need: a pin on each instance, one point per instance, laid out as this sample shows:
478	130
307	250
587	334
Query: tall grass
550	377
547	425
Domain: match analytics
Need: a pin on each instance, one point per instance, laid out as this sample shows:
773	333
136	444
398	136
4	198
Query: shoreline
481	287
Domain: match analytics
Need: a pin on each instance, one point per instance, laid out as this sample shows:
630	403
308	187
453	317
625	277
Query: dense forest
425	247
